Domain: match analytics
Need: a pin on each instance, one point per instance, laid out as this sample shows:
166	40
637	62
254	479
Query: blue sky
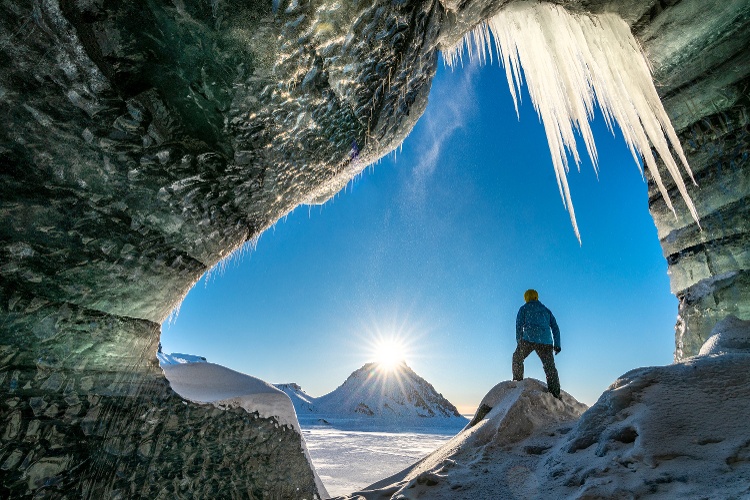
435	245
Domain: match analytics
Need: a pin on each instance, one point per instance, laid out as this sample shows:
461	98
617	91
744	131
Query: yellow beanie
530	294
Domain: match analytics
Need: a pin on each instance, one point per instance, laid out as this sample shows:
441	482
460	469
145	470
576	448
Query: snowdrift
494	454
658	432
211	383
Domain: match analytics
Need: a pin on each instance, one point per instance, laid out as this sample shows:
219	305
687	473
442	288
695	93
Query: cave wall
702	70
87	412
144	142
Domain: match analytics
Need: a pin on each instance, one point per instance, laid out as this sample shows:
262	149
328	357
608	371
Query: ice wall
142	144
702	66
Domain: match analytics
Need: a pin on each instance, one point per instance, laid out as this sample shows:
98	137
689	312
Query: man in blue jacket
533	325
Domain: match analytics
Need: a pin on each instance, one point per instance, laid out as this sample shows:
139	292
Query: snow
729	335
211	383
677	431
474	463
336	443
177	358
350	460
570	62
657	432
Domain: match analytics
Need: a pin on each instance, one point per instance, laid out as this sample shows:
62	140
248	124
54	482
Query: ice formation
570	61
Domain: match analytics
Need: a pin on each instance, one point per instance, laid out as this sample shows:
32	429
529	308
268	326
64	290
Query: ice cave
144	142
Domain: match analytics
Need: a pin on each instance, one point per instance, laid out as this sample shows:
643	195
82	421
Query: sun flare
389	354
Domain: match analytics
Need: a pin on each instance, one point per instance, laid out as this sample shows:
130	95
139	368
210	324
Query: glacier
144	143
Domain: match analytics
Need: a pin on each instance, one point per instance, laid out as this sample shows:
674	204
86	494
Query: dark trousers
548	363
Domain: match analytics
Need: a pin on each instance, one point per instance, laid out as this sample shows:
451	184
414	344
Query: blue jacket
534	322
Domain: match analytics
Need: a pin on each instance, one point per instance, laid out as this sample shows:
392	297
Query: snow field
347	461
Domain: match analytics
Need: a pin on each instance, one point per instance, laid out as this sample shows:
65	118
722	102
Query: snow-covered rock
493	455
729	335
663	432
211	383
204	382
677	431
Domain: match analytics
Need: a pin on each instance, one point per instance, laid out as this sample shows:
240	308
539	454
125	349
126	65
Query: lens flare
389	354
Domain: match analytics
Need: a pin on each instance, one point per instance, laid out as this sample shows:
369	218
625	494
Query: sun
389	354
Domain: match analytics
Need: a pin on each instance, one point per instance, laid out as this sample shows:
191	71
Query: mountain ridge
373	392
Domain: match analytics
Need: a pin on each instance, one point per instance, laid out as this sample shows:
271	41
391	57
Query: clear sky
435	245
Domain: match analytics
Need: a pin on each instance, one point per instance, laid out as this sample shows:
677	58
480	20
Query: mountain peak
380	392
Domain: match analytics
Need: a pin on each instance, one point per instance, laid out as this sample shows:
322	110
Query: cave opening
147	140
436	244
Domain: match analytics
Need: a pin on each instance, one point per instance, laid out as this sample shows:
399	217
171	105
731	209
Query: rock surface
143	143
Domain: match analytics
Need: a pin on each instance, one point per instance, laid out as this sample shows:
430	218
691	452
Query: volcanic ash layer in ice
677	431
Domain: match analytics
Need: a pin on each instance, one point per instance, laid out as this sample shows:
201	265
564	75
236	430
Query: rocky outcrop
143	143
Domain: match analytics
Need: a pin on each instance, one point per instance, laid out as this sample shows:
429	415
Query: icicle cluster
568	62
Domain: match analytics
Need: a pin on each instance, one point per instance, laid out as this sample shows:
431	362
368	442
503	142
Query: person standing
537	330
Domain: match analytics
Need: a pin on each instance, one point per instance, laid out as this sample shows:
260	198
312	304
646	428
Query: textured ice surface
569	63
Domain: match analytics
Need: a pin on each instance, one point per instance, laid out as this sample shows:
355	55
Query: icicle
568	62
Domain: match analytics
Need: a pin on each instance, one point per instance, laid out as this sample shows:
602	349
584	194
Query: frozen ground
347	461
676	431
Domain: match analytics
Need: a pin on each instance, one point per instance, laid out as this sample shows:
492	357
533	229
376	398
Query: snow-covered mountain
303	402
378	394
177	358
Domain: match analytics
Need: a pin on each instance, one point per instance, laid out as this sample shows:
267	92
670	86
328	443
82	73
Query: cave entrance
436	246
